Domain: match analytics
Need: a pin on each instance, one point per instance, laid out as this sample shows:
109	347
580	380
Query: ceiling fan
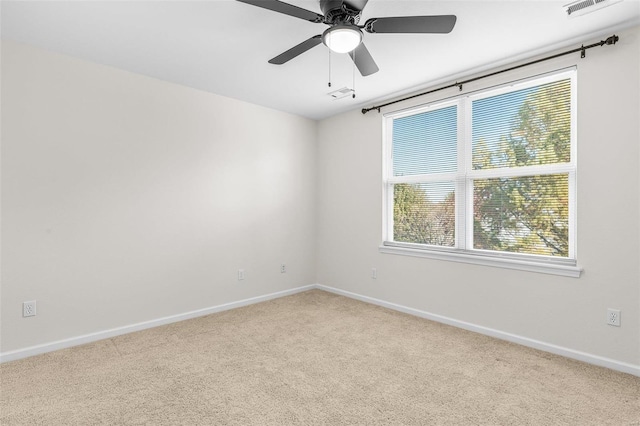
344	35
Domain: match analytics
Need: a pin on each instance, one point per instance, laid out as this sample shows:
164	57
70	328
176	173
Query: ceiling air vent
582	7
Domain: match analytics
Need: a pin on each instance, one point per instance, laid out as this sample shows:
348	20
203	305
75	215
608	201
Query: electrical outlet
29	309
374	273
613	317
240	274
283	268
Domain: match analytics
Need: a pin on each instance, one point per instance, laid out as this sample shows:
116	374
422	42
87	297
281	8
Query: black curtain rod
611	40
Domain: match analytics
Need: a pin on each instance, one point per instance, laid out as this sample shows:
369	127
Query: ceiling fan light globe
342	39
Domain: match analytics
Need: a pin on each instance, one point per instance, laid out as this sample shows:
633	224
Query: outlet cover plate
613	317
29	308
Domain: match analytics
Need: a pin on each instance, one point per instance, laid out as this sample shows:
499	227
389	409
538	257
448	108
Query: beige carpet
312	359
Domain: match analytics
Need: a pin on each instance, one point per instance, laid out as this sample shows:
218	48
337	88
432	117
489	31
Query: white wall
127	199
566	312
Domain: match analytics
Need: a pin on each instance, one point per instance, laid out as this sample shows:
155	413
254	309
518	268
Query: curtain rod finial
612	40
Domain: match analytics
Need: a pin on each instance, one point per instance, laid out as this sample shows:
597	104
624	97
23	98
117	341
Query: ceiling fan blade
286	8
439	24
296	50
363	60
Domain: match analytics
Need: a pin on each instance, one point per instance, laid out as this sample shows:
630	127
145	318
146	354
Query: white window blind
488	174
425	143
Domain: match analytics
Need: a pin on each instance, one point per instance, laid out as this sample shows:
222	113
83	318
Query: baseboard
106	334
525	341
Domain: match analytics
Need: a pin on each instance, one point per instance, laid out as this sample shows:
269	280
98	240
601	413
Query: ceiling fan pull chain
329	67
353	96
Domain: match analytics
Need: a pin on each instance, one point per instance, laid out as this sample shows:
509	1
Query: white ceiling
222	46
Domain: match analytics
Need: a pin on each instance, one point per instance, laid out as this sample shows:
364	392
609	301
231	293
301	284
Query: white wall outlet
374	273
283	268
613	317
240	274
29	308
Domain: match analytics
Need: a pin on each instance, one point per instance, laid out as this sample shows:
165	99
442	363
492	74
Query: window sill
518	264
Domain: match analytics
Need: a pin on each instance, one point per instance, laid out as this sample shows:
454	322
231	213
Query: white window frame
463	250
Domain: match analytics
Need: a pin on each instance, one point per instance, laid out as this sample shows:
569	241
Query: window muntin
502	183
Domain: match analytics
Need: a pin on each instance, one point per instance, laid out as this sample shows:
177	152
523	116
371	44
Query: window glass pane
424	213
523	215
526	127
425	143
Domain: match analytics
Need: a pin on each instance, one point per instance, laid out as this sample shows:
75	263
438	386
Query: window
486	178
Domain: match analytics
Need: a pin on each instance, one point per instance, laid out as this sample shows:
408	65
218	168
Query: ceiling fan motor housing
342	11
